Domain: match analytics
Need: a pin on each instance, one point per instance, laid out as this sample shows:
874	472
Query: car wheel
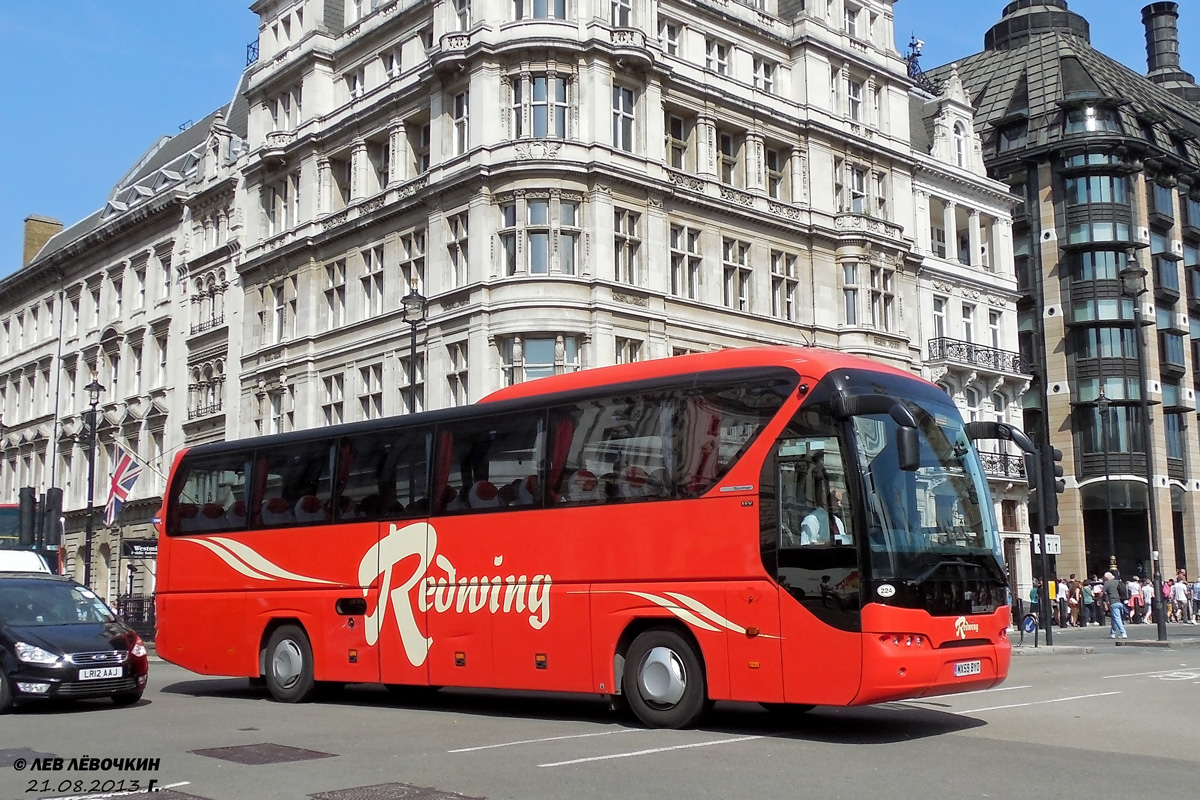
290	665
6	695
664	680
126	698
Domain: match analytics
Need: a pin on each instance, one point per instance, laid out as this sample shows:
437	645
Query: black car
58	640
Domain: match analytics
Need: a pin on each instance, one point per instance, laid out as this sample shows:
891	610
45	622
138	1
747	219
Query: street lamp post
1133	285
1103	405
415	307
93	389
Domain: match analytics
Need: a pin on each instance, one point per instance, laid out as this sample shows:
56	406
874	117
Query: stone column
950	223
974	239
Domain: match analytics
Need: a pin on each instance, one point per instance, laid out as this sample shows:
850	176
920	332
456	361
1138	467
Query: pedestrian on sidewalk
1179	600
1064	606
1137	611
1148	600
1098	595
1117	593
1087	605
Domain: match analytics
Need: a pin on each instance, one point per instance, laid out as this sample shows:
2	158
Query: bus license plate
964	668
99	672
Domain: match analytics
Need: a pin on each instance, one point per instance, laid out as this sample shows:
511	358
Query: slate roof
1033	74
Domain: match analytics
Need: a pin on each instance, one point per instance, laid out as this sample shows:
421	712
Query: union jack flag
123	479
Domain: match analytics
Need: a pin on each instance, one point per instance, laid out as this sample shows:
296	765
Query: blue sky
89	85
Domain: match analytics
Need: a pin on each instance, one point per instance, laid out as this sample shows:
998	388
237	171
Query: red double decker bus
787	526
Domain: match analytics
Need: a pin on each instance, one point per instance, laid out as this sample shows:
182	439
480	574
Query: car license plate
97	673
963	668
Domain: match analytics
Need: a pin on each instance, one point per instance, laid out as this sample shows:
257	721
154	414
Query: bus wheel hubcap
663	677
288	662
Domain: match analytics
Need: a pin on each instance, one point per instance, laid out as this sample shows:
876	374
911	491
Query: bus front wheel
664	680
290	665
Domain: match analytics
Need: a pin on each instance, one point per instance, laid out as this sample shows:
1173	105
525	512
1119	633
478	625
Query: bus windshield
931	530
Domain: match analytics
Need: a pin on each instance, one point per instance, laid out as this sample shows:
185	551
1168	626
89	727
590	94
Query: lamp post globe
415	306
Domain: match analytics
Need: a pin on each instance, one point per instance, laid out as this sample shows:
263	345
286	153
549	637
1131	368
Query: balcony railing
1003	465
252	52
208	324
977	355
204	411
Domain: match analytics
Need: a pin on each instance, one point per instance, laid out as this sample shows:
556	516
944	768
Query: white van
22	561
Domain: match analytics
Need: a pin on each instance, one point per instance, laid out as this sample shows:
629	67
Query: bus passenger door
818	573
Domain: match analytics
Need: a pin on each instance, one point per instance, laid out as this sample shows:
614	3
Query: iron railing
977	355
203	411
252	52
208	324
1003	465
138	612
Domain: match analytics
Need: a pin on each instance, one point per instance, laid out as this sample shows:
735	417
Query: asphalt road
1122	720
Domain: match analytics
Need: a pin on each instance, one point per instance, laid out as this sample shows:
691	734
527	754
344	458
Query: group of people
1076	603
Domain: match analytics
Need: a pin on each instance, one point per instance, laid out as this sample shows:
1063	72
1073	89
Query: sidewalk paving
1095	639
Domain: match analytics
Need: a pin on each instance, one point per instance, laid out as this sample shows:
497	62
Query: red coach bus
788	526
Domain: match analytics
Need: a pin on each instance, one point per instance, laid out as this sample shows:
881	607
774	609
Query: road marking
1136	674
537	741
964	694
121	794
651	751
1037	702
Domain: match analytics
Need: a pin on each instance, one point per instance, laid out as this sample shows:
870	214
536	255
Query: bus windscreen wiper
924	576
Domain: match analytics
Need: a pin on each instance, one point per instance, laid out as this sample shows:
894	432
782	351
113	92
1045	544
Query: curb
1053	650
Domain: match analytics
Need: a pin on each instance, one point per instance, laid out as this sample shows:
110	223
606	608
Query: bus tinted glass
385	475
210	494
672	443
294	485
491	463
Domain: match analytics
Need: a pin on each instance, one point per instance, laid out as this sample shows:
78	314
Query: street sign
139	548
1053	544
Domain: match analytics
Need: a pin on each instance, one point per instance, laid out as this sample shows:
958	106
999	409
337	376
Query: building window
995	321
540	9
379	154
527	358
542	100
372	281
764	74
968	322
685	261
735	261
939	317
883	299
281	203
621	13
1092	119
1175	428
716	56
412	260
776	172
850	293
1083	189
461	123
854	100
456	378
729	147
418	145
626	242
679	134
1012	137
333	409
628	350
139	287
161	378
551	234
783	285
850	20
462	14
412	402
858	190
370	396
623	118
668	35
456	244
335	294
960	144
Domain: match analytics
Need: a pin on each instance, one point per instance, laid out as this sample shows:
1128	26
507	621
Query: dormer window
1092	119
960	144
1013	136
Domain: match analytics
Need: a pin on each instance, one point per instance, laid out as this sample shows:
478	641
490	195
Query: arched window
960	144
972	400
1000	407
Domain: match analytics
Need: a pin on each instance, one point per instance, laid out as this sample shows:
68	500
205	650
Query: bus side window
386	475
491	463
294	485
211	497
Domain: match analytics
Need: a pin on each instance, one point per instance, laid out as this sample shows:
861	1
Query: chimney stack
1161	21
38	231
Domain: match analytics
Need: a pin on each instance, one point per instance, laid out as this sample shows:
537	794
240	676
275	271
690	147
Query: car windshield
936	517
34	603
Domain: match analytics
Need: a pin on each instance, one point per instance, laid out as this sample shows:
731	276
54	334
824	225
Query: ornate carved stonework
742	198
859	222
685	181
783	209
538	149
632	300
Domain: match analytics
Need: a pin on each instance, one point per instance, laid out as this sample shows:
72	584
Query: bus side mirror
908	448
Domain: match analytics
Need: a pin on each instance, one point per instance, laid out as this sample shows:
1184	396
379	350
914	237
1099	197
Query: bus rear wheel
290	665
664	680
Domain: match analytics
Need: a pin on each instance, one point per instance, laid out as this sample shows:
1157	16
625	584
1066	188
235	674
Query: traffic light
26	513
51	513
1051	484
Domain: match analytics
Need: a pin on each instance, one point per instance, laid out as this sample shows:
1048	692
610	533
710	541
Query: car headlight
36	655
